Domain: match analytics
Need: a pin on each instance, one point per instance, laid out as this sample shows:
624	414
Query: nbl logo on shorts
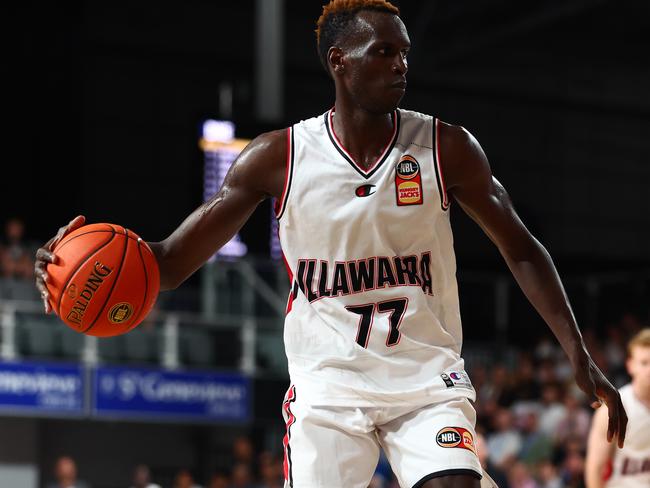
456	437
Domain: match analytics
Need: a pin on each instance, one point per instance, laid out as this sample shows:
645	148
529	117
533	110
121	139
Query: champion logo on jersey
408	181
365	190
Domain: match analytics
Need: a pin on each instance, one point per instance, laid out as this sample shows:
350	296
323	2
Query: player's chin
388	103
394	97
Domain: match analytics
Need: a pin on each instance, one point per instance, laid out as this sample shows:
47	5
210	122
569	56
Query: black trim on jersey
437	167
289	177
447	472
396	122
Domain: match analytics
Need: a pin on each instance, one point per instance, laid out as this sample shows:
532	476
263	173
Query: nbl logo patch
408	181
456	437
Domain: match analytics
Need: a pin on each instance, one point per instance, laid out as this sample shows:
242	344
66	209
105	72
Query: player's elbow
170	278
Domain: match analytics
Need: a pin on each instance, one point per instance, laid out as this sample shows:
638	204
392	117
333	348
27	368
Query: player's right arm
256	174
599	451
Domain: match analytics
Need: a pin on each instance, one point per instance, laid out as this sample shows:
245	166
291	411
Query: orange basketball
105	280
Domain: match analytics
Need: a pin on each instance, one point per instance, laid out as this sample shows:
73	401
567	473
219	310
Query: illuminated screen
220	149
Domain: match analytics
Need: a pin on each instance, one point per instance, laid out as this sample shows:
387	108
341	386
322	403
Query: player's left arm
469	180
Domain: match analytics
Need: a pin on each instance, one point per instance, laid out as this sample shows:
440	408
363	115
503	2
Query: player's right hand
600	391
45	255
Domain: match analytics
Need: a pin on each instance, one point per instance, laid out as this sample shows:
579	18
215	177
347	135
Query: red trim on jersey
389	145
291	419
290	274
279	204
445	199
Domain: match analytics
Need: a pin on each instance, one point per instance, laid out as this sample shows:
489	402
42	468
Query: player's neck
363	134
642	394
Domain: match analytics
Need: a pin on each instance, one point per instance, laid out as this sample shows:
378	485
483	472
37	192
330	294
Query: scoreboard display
220	149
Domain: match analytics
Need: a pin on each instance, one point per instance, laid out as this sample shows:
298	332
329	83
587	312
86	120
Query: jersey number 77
366	312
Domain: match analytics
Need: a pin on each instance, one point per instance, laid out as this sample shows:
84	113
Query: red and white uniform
388	338
631	465
373	332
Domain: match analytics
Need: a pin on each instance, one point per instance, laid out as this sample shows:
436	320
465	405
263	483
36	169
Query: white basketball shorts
338	447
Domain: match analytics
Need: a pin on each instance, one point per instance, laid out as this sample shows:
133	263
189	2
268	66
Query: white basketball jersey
631	465
373	315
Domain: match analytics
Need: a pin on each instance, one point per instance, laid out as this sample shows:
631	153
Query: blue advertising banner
28	387
148	393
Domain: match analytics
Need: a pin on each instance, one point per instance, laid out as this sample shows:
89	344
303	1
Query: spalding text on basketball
94	281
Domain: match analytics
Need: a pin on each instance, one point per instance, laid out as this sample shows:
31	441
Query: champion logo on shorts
459	379
456	437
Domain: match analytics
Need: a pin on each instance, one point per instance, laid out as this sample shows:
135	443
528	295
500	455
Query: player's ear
335	60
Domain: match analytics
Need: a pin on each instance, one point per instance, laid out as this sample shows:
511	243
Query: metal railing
240	322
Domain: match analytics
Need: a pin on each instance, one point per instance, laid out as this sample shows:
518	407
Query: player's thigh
432	443
327	447
453	481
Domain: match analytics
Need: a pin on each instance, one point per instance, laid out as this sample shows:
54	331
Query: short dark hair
337	17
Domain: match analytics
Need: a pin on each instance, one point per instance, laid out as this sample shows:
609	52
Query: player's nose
400	64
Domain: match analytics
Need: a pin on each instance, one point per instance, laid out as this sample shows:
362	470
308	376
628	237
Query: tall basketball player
628	467
372	332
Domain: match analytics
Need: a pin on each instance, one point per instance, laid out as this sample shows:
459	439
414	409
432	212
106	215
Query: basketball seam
146	287
81	263
62	244
110	292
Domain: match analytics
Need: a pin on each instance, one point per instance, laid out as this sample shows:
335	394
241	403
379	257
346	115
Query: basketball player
372	332
628	467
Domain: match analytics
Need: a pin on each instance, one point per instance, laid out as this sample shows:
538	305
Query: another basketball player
628	467
373	333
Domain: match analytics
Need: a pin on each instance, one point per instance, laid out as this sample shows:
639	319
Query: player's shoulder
269	141
313	125
455	136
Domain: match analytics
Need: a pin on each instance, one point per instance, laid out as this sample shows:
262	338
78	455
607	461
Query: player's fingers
45	295
75	223
612	422
613	402
44	255
622	426
46	305
41	275
42	289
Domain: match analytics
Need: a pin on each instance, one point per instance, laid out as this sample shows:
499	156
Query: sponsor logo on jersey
408	181
459	379
458	437
365	190
120	312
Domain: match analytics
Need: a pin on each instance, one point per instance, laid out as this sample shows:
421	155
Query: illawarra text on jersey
320	279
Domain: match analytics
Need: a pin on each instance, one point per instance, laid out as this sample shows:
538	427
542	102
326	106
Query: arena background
103	108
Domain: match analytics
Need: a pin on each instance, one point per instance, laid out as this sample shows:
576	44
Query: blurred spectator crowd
16	256
532	420
246	470
532	424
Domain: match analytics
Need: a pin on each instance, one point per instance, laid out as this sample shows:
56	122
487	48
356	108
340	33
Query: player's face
375	62
638	365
